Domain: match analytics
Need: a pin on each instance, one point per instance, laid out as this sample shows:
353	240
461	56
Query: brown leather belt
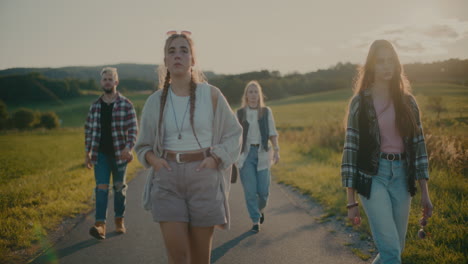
186	157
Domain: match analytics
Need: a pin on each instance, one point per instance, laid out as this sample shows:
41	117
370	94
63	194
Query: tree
435	104
49	120
24	118
3	115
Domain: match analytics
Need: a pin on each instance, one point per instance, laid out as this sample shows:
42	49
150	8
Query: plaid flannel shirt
124	127
349	167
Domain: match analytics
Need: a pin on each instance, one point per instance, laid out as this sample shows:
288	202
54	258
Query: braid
193	97
163	99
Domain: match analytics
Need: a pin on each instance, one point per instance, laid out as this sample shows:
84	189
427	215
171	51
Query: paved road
289	235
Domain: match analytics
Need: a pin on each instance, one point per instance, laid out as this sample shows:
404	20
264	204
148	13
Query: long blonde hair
197	76
399	87
261	102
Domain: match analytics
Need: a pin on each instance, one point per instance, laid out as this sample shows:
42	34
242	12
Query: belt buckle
177	157
393	157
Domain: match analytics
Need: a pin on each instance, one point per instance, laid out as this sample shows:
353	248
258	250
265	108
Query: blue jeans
388	210
256	185
105	166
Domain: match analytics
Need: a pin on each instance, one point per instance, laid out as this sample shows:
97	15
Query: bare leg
176	239
201	239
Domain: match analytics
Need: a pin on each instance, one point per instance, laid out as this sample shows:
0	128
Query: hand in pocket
209	163
160	163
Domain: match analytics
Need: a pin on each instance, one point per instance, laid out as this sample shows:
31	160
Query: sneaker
119	225
98	230
255	228
262	218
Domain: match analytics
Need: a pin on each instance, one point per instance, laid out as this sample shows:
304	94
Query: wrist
276	148
151	158
425	196
215	158
351	205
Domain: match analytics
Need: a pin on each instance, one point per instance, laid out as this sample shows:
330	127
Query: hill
126	71
26	85
144	72
451	70
17	89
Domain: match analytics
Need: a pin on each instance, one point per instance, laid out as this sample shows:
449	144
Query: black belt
392	156
255	145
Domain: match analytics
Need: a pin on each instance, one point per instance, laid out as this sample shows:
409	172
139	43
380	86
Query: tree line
35	87
19	89
19	86
25	118
453	70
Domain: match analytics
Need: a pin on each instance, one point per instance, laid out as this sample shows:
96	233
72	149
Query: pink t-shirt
390	139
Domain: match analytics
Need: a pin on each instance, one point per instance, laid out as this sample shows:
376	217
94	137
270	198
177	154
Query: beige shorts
185	195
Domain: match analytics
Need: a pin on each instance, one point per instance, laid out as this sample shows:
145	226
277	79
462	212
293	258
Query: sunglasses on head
175	32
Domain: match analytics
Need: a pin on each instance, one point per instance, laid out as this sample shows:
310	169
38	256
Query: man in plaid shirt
110	134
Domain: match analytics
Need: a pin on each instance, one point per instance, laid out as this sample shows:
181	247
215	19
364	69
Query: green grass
437	89
42	181
73	112
307	111
311	163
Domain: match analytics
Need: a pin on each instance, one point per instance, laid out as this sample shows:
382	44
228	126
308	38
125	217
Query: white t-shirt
179	136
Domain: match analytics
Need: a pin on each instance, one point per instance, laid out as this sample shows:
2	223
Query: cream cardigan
226	143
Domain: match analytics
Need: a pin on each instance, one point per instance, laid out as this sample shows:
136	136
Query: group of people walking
189	139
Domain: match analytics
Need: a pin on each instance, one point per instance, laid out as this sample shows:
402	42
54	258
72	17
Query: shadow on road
288	234
220	251
53	256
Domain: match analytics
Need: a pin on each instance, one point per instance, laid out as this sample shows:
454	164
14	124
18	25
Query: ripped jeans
105	166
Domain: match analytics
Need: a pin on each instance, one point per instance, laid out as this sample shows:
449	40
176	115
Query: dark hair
400	89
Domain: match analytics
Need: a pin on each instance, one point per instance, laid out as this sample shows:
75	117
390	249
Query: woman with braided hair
189	139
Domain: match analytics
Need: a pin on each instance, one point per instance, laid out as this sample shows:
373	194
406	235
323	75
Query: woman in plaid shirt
384	151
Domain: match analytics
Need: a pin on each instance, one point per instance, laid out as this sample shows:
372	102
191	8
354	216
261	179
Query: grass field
73	112
43	181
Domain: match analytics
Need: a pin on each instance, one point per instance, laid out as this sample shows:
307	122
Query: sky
231	37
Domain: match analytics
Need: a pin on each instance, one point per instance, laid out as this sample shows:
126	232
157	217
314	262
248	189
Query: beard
107	91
